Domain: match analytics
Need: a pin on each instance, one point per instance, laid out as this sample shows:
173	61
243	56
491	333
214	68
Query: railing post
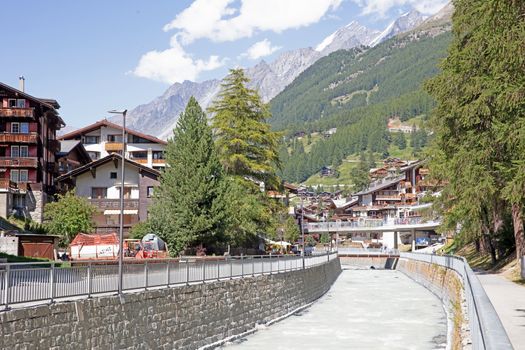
187	272
253	267
218	270
168	274
6	286
52	283
278	267
203	270
242	266
231	268
271	263
89	278
145	274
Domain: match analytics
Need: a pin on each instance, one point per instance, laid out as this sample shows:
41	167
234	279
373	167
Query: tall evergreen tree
360	175
245	143
188	208
479	121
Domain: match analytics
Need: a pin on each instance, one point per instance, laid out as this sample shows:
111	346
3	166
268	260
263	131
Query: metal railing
48	281
486	329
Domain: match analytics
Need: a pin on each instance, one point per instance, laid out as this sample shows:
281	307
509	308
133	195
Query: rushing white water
364	309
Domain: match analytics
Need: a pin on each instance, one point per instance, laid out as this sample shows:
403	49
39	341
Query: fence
486	329
47	281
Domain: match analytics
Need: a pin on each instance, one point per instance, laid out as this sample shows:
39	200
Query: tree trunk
491	249
478	245
517	223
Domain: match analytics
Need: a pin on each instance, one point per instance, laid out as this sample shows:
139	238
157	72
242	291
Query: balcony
6	184
54	146
140	160
19	162
18	138
113	146
114	204
385	197
159	161
17	112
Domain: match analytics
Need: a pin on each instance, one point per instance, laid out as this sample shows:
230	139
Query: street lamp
302	229
121	222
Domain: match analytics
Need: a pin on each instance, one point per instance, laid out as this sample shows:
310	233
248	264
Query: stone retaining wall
368	262
185	317
448	286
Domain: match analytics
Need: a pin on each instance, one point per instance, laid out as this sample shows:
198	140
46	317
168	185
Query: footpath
508	299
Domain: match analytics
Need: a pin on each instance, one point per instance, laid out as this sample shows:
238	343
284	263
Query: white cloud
218	21
174	65
260	49
381	7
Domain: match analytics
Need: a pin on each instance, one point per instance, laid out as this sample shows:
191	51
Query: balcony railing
159	161
386	197
23	162
140	160
21	138
115	203
114	146
17	112
6	184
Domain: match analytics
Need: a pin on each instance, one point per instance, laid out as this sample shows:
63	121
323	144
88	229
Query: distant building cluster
395	125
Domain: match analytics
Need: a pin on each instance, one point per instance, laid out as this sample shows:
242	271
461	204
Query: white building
103	138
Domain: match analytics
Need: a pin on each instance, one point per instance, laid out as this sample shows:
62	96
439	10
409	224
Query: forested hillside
356	91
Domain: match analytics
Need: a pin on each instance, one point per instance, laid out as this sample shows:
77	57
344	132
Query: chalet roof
379	185
46	102
67	146
112	157
343	203
107	123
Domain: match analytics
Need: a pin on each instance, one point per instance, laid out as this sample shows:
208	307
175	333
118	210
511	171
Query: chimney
22	83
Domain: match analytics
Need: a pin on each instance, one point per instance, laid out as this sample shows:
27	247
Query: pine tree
246	145
360	175
188	208
479	121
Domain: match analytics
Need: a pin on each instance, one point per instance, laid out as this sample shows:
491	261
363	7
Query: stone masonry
186	317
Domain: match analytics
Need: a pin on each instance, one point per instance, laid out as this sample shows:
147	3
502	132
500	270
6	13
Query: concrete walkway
508	299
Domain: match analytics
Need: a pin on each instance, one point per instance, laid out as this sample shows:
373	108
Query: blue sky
97	55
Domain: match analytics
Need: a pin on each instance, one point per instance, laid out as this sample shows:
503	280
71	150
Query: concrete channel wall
186	317
447	285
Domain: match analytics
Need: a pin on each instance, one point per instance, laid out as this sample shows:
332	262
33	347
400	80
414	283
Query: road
508	299
364	309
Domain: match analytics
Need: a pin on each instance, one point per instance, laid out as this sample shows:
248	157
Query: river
364	309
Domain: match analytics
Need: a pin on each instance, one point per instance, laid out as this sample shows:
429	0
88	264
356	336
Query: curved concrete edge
443	284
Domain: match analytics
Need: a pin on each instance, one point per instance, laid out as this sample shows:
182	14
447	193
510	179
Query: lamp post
121	221
302	229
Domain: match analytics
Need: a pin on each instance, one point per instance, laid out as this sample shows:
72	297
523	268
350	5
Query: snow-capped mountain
160	116
403	24
347	37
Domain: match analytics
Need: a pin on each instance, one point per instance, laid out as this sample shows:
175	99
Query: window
150	191
24	128
99	192
24	151
139	155
24	175
21	103
94	155
14	176
158	155
12	103
15	151
89	140
114	138
15	128
113	175
127	192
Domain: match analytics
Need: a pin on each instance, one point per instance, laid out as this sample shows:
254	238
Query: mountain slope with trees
357	91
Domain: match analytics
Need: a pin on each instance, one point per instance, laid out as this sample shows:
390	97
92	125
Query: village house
100	182
71	156
104	137
28	145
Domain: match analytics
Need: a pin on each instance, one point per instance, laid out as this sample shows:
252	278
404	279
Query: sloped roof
46	102
106	123
99	162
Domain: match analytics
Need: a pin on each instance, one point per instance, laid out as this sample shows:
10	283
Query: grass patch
15	259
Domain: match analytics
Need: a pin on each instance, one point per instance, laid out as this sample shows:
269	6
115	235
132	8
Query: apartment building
100	182
104	137
28	145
